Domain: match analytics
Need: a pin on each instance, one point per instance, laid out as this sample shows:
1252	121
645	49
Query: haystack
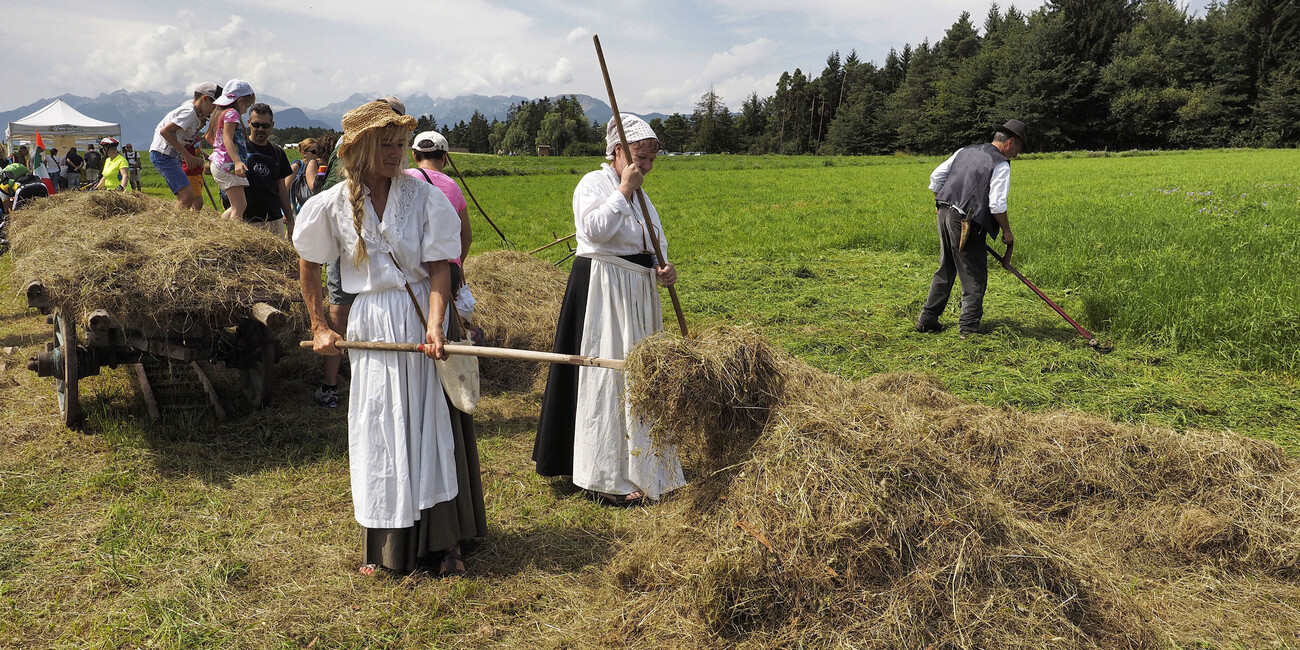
518	303
146	262
886	513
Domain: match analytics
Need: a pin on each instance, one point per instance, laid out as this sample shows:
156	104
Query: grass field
187	533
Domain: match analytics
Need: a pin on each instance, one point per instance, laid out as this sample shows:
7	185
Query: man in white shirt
970	193
173	143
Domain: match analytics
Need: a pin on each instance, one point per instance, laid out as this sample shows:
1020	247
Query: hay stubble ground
190	534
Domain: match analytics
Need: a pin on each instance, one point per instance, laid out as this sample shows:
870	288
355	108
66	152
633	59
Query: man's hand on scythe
667	274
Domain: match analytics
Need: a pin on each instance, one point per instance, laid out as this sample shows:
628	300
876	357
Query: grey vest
967	185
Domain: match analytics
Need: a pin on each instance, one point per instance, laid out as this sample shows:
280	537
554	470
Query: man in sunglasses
267	192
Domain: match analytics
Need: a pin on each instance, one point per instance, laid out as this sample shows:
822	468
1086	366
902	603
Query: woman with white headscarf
587	429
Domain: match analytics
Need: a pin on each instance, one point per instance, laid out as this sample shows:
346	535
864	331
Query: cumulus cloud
739	58
176	56
577	34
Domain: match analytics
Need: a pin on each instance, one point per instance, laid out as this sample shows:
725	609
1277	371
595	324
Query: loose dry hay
517	304
898	517
145	262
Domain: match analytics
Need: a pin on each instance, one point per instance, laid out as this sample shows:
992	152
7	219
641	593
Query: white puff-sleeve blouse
419	225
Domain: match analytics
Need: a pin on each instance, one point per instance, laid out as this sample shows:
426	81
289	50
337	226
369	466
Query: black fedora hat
1016	128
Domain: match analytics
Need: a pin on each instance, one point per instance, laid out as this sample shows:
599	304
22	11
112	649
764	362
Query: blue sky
663	55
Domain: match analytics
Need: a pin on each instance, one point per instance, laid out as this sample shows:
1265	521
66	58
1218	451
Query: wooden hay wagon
241	336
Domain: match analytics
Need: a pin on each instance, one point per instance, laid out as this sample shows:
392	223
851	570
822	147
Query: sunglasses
261	125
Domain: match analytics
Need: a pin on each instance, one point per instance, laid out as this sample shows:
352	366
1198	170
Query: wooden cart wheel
65	383
259	377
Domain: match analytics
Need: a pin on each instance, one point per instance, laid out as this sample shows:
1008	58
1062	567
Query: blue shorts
334	286
172	171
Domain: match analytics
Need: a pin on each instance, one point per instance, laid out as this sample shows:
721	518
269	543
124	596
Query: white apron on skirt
612	451
400	446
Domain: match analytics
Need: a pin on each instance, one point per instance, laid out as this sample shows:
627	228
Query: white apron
612	451
400	446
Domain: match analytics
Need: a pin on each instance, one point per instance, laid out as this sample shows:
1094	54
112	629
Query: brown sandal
452	564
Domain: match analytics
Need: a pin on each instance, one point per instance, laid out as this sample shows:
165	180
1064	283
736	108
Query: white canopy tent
61	126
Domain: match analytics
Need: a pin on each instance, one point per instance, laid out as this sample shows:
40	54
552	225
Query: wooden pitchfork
640	194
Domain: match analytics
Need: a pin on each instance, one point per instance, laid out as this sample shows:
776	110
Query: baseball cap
429	141
208	88
234	89
398	106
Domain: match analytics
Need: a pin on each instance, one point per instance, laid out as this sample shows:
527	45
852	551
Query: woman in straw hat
416	488
586	428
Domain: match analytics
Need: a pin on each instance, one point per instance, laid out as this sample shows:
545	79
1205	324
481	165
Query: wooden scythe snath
640	194
456	169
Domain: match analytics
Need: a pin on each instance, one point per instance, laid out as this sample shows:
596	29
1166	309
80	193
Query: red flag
38	164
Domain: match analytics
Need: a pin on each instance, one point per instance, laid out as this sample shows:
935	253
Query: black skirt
553	448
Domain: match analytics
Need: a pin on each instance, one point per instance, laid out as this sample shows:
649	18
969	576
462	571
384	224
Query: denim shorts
171	171
334	285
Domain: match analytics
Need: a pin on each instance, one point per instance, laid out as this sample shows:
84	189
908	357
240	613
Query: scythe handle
640	195
1006	263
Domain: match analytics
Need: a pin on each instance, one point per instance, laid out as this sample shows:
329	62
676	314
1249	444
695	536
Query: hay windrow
518	303
146	262
898	516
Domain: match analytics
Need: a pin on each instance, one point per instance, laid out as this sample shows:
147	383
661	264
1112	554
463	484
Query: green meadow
189	533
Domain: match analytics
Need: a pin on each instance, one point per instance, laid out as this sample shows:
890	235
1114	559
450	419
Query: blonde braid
359	156
357	197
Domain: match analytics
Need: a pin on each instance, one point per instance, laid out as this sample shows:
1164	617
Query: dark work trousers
970	264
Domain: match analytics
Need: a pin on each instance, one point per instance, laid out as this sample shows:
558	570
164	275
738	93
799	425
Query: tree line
1082	74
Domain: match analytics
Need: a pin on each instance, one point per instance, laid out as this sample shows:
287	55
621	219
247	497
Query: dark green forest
1082	74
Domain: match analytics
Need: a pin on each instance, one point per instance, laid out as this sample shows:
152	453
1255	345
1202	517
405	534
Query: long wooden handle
471	197
558	241
483	351
640	195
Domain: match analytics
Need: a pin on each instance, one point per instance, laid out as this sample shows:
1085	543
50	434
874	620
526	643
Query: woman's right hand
240	169
631	180
323	342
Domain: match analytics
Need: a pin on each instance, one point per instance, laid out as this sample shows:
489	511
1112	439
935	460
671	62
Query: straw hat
373	115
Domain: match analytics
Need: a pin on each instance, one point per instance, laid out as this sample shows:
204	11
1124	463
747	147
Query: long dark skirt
553	448
447	523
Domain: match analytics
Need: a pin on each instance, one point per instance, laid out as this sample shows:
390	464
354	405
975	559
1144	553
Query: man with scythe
587	429
970	193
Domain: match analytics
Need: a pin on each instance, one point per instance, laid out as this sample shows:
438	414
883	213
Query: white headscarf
635	128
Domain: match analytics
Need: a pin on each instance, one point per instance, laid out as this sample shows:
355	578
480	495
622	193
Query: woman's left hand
667	274
435	343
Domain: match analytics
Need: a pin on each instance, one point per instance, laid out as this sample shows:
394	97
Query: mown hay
517	304
145	262
886	513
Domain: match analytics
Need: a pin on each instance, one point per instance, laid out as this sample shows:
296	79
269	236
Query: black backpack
299	191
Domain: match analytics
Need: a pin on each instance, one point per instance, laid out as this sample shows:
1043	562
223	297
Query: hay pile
146	262
518	303
885	513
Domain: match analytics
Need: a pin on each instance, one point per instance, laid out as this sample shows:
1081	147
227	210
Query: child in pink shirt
230	145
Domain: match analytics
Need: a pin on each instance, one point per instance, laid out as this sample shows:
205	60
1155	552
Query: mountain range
139	111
